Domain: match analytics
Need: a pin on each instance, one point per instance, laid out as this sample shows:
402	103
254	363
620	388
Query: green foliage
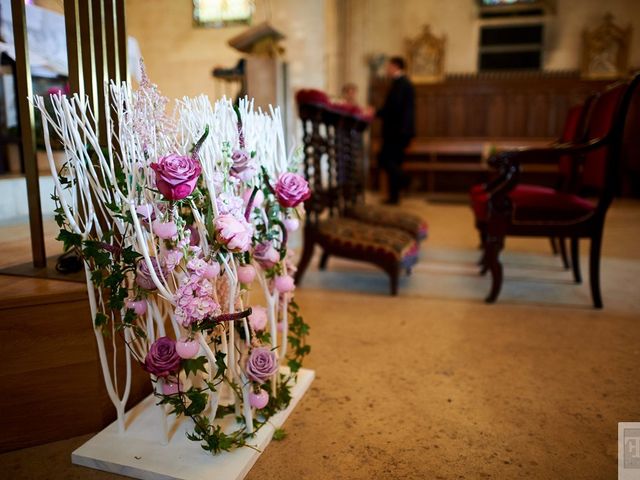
279	434
69	239
298	332
194	365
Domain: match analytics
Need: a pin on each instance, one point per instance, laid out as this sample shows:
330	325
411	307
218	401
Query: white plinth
139	454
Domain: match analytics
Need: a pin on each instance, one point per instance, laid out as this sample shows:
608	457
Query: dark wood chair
573	131
543	213
333	166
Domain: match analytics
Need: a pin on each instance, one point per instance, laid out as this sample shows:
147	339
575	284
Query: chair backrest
332	139
607	118
571	133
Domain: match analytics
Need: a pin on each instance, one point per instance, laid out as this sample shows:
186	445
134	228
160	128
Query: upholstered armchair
595	163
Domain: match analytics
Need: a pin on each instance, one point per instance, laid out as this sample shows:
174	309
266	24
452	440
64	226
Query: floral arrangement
177	219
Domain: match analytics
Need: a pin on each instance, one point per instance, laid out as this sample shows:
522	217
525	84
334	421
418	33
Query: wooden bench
442	155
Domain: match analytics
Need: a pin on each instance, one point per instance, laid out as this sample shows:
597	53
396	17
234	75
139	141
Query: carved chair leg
307	253
594	269
483	240
562	243
323	260
493	246
554	245
575	259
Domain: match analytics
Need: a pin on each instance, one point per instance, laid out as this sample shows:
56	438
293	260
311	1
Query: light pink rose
176	175
235	234
243	165
166	230
292	189
258	318
284	284
266	255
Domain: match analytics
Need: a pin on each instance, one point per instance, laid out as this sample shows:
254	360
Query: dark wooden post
25	112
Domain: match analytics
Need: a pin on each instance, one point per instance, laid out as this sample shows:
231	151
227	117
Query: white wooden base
138	453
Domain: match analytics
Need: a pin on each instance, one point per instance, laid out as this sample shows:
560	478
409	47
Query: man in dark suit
398	126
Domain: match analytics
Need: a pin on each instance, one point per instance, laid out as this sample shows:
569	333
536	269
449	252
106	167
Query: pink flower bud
246	273
258	318
291	224
258	400
187	348
138	306
167	230
285	283
211	270
170	387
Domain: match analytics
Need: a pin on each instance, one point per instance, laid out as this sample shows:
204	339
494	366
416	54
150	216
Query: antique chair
561	214
332	146
573	131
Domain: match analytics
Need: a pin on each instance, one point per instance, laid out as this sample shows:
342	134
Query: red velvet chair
573	131
545	212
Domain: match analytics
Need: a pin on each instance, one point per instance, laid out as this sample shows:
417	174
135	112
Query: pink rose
292	189
176	175
243	165
166	230
262	364
266	255
258	318
138	306
233	233
162	359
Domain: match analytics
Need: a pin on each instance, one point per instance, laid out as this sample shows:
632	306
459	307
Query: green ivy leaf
194	365
279	434
100	320
69	239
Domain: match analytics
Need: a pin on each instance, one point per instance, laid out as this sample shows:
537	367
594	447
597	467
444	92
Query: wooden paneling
51	386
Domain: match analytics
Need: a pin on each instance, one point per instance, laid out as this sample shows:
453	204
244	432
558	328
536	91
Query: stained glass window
220	13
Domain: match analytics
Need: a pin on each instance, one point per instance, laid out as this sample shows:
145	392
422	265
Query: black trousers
390	159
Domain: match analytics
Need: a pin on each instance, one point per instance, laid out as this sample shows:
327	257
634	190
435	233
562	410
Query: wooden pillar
25	112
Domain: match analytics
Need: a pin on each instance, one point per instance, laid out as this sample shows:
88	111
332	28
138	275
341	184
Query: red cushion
535	203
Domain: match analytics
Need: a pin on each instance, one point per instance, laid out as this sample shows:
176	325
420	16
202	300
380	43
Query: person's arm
408	112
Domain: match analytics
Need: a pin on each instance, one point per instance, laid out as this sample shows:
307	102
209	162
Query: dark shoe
391	202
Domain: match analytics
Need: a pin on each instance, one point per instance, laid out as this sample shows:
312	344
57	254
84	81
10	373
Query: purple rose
261	365
243	167
266	255
176	175
162	359
292	189
234	233
143	276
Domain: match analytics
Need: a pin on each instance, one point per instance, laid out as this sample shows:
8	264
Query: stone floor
436	384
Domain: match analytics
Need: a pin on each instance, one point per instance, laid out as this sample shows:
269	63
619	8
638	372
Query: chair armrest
545	155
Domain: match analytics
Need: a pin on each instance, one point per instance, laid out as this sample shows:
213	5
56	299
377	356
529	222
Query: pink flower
291	224
176	175
266	255
194	238
258	318
258	200
284	284
204	269
292	189
194	300
261	365
243	165
166	230
171	258
233	233
246	273
162	359
138	306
